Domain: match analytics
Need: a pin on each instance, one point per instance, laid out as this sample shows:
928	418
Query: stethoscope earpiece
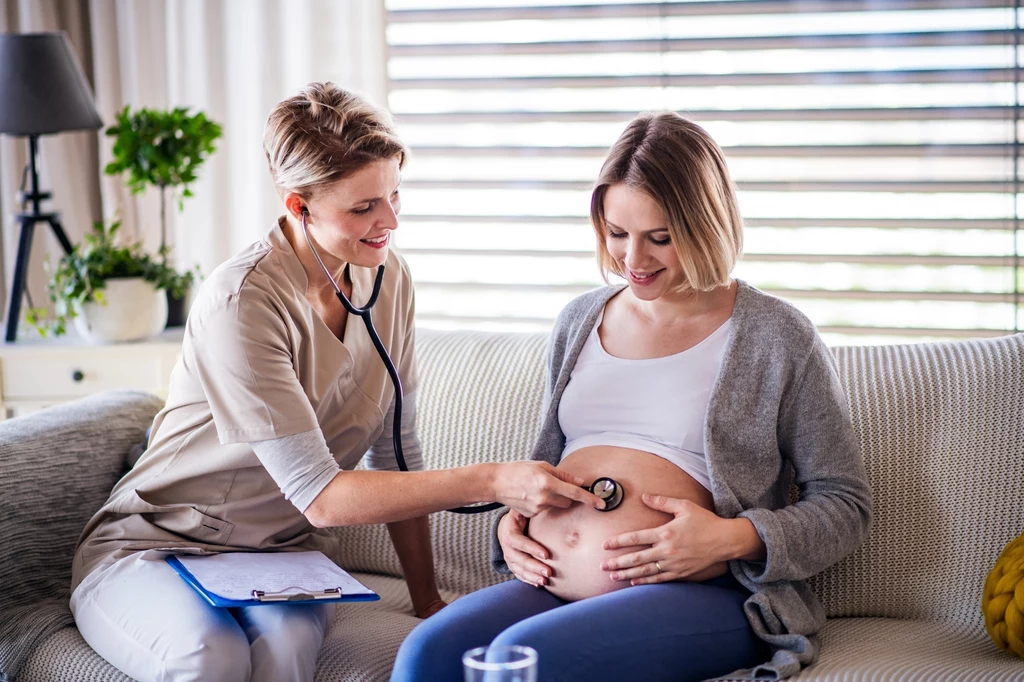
609	490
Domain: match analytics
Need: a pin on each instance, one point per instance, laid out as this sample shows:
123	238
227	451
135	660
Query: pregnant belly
575	536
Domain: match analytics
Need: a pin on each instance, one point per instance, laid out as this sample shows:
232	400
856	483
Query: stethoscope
605	488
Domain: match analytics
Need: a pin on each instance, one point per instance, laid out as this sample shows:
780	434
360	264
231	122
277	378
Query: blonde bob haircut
325	134
676	163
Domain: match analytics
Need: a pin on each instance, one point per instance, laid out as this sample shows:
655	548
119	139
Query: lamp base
27	220
28	225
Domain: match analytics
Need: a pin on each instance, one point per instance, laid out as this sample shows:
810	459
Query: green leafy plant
162	149
81	276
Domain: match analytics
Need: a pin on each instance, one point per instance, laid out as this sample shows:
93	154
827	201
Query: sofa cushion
479	400
364	638
57	468
941	426
942	430
66	657
360	646
875	649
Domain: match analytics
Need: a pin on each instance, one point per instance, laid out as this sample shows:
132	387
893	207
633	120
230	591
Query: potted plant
112	292
163	149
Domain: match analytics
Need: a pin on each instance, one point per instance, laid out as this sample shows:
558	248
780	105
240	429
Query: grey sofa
942	428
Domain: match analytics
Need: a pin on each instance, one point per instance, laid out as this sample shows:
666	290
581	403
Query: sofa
942	429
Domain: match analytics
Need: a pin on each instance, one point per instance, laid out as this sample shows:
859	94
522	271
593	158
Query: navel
572	538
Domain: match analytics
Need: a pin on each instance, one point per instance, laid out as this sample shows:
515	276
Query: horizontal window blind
876	145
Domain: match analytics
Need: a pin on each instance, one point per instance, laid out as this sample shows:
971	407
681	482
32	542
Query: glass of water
500	664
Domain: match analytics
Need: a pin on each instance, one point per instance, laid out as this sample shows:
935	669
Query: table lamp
42	91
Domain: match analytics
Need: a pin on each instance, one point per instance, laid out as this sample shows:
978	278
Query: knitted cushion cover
66	657
942	431
57	468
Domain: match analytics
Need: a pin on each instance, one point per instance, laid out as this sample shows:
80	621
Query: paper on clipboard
234	575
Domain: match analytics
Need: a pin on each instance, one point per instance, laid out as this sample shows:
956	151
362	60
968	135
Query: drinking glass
500	664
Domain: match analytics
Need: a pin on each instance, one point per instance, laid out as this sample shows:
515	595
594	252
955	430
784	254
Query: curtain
232	59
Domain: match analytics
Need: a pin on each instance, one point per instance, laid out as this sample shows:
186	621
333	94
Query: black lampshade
42	87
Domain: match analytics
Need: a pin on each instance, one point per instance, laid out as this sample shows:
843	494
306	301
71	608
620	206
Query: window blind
876	145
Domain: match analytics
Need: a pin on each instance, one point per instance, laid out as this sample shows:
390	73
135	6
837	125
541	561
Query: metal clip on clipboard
329	593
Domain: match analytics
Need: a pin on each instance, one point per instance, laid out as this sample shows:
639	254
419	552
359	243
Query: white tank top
657	405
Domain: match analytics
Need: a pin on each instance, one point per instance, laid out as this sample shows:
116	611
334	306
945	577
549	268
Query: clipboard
237	579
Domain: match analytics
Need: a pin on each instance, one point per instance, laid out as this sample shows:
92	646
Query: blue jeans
676	631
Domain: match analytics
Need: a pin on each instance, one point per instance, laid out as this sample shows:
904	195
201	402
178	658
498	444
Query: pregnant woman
706	400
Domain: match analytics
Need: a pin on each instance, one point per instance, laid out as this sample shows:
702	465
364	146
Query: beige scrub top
257	363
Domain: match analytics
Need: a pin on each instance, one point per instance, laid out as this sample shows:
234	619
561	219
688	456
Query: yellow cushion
1003	599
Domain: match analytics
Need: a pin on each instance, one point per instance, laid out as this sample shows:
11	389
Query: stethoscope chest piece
608	490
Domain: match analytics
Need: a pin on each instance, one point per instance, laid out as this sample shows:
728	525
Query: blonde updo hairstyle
676	163
325	134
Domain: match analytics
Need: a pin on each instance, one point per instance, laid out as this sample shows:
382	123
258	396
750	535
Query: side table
38	373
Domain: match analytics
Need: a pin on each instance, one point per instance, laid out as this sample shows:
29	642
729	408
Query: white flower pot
133	309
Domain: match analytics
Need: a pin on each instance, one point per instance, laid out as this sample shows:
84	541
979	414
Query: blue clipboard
260	598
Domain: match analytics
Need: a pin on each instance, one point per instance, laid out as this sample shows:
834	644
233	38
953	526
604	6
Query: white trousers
142	617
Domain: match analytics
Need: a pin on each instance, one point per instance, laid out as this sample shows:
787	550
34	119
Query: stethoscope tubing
364	313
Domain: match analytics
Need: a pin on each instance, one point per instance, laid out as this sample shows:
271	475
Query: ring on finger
657	565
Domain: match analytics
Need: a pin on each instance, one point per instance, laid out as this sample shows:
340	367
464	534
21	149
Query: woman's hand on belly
575	538
525	557
688	547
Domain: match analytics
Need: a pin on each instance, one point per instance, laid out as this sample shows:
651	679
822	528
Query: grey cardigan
777	416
